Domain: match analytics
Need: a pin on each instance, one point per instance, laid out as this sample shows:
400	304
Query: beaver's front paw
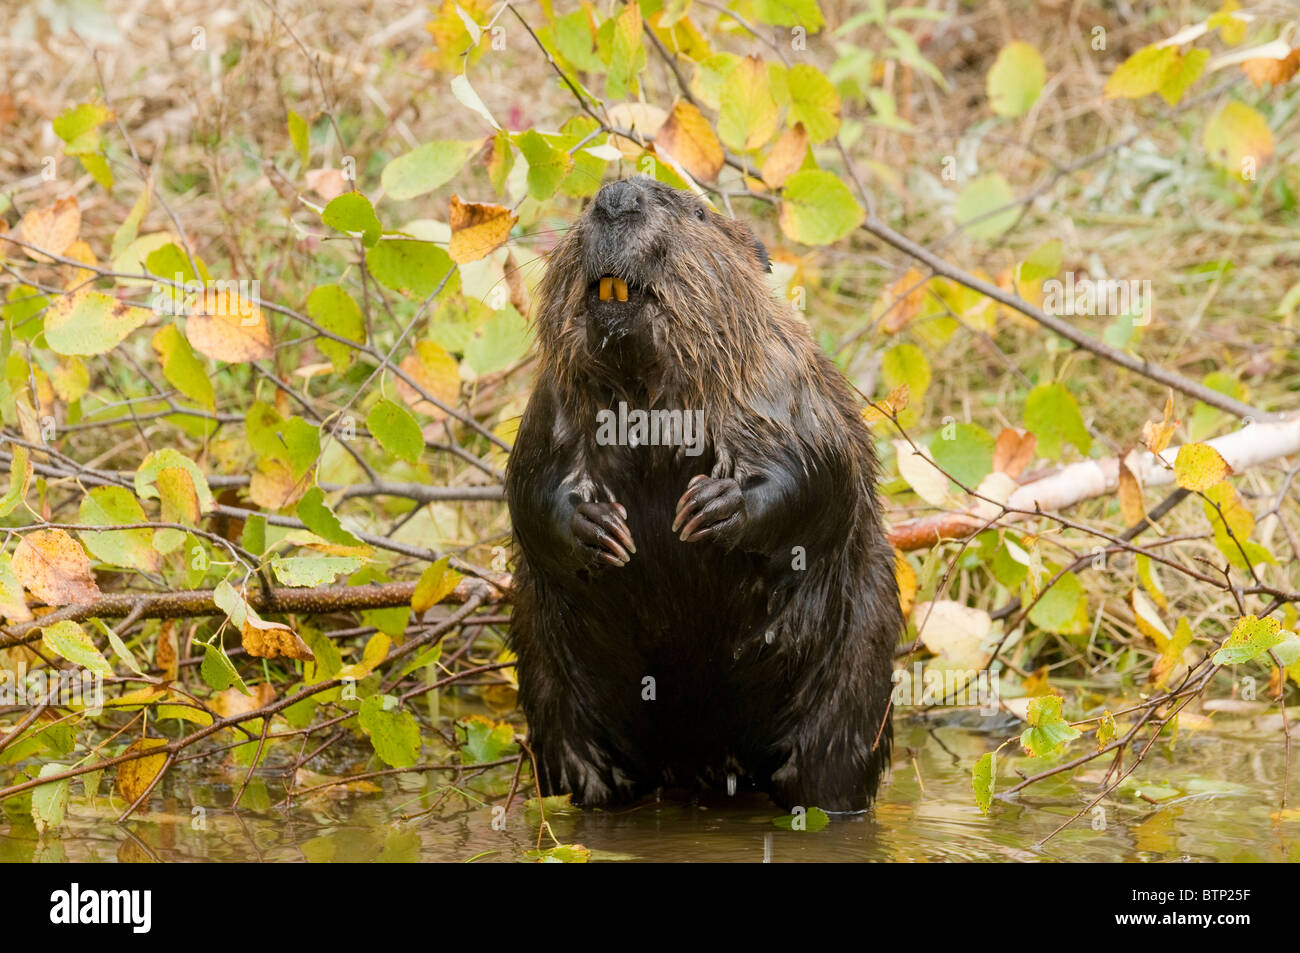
711	508
602	534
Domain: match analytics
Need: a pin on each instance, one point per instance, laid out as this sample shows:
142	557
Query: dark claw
602	533
711	508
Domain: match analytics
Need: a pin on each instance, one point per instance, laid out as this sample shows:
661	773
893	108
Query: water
1216	799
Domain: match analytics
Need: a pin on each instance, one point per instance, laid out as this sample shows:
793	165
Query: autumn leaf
689	138
1199	466
55	569
1156	435
787	156
1013	451
261	638
1263	70
437	372
52	228
477	229
1130	496
227	327
901	301
135	777
90	322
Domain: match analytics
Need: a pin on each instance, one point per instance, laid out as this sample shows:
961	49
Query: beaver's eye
699	213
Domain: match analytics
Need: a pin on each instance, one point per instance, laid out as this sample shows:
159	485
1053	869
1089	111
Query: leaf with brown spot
689	138
91	322
55	569
261	638
135	777
52	229
477	228
786	157
1013	451
227	327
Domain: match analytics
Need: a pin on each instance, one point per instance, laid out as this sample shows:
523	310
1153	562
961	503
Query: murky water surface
1214	798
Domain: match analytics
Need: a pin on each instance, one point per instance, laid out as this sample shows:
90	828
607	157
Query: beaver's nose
619	198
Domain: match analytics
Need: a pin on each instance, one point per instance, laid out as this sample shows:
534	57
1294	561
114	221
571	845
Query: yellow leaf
687	136
477	229
55	569
135	777
227	327
786	157
1199	467
436	372
51	229
905	575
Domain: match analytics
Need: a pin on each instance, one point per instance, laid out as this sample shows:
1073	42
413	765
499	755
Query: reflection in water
1215	799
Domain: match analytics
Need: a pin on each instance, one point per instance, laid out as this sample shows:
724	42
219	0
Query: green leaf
1016	79
485	740
810	821
906	364
293	442
90	322
313	570
19	476
425	168
334	309
1063	608
396	430
131	548
1251	638
501	341
69	640
804	13
78	127
120	649
50	801
147	476
979	198
320	519
1052	414
352	212
218	671
965	451
395	735
409	266
547	165
1048	732
747	116
814	102
817	208
299	135
982	779
182	368
1043	262
627	55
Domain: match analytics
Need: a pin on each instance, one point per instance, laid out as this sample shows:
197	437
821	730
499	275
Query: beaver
704	596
